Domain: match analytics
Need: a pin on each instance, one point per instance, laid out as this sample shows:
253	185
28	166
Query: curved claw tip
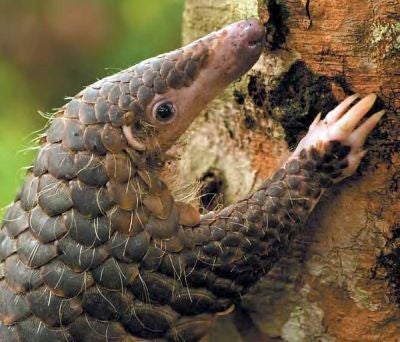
380	114
358	137
355	114
340	109
365	104
351	98
371	97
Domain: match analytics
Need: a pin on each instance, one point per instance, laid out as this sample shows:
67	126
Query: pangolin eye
164	112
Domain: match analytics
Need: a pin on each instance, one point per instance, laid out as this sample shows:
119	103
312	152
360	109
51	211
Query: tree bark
341	281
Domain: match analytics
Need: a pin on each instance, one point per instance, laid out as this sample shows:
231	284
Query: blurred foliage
50	49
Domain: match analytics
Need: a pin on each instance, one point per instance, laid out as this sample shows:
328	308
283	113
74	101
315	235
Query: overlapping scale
13	307
63	281
20	277
51	309
33	330
150	321
86	328
113	274
107	305
32	252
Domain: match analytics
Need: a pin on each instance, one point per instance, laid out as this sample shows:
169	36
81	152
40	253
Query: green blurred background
50	49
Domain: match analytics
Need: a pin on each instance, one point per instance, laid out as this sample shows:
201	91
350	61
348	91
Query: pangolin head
169	91
144	109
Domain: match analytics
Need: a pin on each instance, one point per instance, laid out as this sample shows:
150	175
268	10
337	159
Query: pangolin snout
249	33
254	33
240	47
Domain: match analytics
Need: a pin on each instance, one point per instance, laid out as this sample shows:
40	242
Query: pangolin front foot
341	128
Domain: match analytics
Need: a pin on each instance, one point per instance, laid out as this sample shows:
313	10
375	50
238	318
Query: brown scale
87	328
20	277
63	281
24	330
95	248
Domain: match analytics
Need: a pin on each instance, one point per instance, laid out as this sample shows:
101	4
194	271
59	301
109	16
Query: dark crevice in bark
394	183
276	28
389	262
239	97
213	185
302	95
308	11
297	99
249	121
256	90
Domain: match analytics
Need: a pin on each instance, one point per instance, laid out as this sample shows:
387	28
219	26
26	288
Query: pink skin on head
232	51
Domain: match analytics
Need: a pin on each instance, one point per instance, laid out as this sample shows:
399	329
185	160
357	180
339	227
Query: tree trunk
341	281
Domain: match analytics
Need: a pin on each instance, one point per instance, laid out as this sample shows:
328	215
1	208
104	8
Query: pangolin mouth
255	43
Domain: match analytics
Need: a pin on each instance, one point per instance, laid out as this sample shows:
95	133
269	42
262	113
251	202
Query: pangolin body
95	248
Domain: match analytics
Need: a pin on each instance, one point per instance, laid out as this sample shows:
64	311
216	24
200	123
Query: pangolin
95	248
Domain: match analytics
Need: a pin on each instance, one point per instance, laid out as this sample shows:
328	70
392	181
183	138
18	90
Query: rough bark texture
341	281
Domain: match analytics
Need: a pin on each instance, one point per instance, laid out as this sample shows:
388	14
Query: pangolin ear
132	140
